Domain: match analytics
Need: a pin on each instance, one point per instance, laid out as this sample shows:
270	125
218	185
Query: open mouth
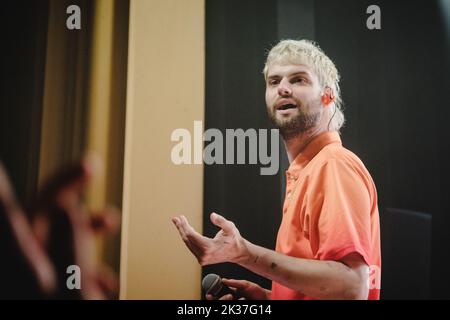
287	106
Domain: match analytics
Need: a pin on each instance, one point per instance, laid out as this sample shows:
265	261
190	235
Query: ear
327	96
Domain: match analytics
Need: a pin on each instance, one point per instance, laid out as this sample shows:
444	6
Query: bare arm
344	279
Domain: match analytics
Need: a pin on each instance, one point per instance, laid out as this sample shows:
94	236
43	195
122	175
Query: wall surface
165	92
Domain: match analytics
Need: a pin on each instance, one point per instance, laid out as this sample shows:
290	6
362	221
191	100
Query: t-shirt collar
312	149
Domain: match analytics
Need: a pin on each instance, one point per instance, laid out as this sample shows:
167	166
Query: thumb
221	222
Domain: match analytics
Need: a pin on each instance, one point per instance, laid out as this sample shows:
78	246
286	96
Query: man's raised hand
227	246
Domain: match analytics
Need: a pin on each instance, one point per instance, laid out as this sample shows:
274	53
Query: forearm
314	278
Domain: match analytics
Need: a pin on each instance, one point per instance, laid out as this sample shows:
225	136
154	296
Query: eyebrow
291	75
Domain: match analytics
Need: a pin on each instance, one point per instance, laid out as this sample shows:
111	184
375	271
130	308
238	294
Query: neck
296	144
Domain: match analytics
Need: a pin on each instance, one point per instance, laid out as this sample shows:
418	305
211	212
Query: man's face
293	98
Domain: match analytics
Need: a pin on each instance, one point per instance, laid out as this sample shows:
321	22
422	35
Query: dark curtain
394	85
24	30
237	35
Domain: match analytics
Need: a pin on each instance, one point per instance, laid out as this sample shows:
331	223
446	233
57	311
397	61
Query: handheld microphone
212	284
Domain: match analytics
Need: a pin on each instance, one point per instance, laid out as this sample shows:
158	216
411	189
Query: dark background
394	85
33	34
24	27
24	33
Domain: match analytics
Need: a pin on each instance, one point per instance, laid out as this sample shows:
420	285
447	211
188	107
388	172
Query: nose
284	89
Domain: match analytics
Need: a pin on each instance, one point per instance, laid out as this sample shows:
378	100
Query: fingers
108	282
66	186
247	290
107	220
225	297
238	284
7	197
222	223
196	243
187	232
192	235
22	256
180	227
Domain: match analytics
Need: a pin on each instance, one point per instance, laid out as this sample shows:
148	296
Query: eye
298	80
273	82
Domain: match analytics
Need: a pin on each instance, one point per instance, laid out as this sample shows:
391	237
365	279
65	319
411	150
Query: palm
224	247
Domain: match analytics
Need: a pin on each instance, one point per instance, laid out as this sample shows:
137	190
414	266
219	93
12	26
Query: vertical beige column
165	91
106	103
101	96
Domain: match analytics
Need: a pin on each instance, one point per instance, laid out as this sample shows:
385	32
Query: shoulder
337	173
338	156
339	162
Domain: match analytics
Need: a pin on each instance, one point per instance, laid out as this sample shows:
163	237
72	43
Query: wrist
244	251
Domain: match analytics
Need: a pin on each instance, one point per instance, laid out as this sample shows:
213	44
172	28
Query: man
328	244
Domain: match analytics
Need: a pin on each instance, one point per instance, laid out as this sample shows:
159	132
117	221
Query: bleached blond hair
309	53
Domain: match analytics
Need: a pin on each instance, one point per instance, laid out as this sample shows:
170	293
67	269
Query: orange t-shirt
330	211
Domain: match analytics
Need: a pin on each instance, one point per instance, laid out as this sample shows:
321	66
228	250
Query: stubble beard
300	123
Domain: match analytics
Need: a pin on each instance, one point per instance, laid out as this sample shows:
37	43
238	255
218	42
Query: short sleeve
341	212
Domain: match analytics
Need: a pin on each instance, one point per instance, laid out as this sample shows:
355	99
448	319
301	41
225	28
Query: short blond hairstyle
309	53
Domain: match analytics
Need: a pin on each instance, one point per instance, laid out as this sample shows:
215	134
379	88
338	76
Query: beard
306	118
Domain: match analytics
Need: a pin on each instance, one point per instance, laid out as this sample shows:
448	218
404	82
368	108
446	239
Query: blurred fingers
107	220
65	187
239	284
